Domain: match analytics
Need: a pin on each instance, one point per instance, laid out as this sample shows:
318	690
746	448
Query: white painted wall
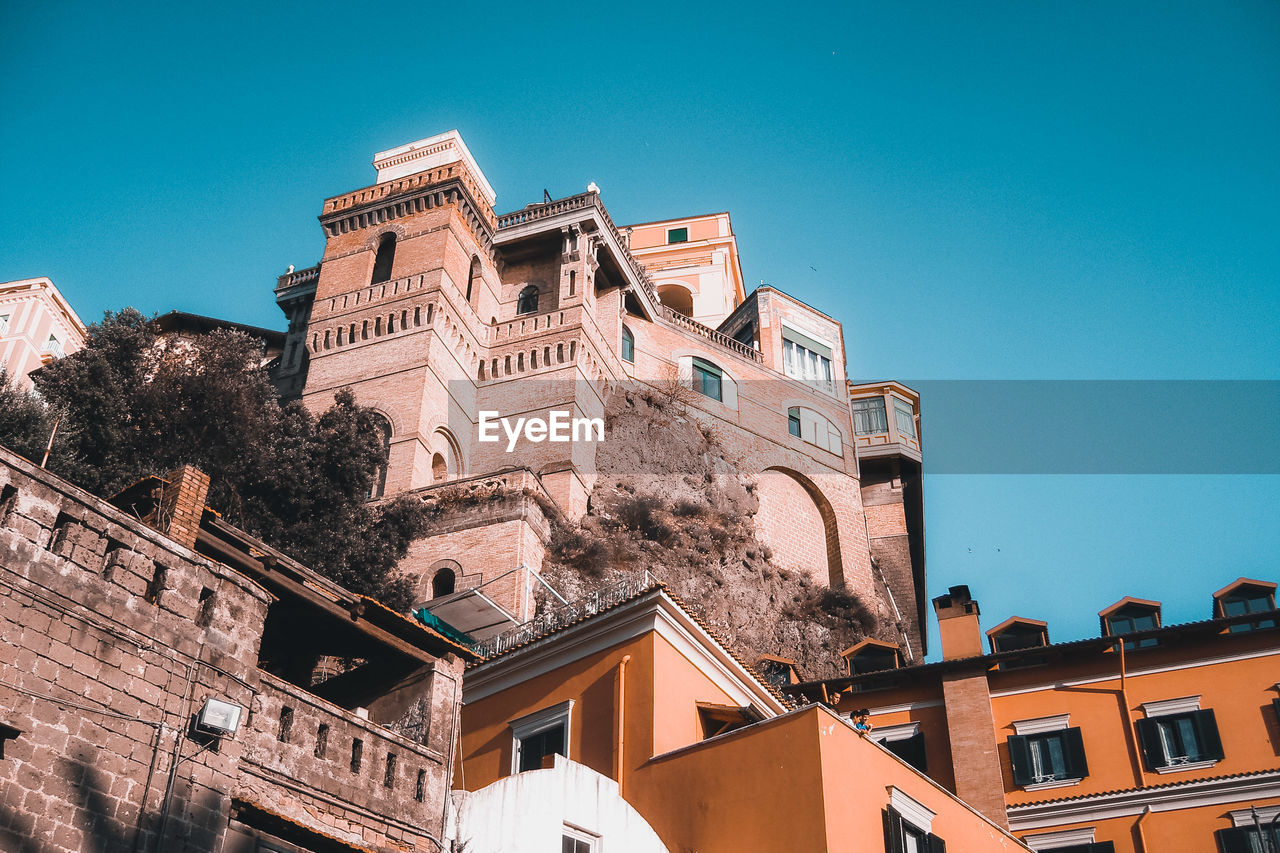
527	813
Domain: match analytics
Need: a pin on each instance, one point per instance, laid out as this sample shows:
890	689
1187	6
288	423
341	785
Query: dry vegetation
670	500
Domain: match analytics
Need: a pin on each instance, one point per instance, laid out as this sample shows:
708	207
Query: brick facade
113	636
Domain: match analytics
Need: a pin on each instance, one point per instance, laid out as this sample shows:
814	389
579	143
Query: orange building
630	686
1149	738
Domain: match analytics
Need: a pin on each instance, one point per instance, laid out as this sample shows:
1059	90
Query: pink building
37	325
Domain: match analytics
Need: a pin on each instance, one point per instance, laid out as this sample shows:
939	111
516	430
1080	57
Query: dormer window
871	656
1243	597
1018	633
1131	615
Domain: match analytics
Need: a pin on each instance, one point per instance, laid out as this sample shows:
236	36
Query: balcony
886	420
737	347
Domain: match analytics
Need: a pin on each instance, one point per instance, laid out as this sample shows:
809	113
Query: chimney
182	505
958	624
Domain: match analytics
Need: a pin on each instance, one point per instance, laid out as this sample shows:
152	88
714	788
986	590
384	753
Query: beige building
37	325
434	309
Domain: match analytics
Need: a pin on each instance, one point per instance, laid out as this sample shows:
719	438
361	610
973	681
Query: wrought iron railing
567	614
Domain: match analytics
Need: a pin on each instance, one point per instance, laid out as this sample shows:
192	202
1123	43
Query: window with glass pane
4	323
1052	756
913	840
1252	601
1172	740
904	418
527	301
804	358
1178	739
678	235
1047	759
628	345
1132	619
576	841
793	421
707	379
869	417
535	747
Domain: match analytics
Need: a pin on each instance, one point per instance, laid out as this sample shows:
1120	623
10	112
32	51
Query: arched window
677	298
379	486
473	277
439	468
383	260
443	582
527	301
628	345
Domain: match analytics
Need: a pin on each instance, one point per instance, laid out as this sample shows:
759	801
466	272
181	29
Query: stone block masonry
113	636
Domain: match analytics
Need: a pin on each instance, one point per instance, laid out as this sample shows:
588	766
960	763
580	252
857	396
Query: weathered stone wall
112	636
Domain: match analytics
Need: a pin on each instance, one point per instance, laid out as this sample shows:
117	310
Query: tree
25	420
134	403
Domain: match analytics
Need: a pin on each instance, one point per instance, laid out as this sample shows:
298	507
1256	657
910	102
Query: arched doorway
798	524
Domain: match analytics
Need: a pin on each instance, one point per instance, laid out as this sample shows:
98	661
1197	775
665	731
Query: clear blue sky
1083	190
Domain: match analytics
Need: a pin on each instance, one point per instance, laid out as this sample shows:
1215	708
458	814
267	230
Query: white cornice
1191	794
1041	724
425	154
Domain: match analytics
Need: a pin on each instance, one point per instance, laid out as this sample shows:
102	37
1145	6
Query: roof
1089	644
869	642
1239	582
281	574
181	321
1016	620
1125	602
643	591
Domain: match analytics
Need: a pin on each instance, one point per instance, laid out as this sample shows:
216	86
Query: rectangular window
869	417
1256	603
902	836
1176	741
707	379
537	747
322	740
357	753
793	421
904	418
1247	839
1087	847
540	735
909	749
574	841
806	359
1046	757
4	323
677	235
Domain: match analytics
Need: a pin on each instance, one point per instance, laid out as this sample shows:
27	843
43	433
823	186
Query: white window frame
1064	838
4	323
1165	707
538	722
915	813
889	734
1038	725
826	384
577	833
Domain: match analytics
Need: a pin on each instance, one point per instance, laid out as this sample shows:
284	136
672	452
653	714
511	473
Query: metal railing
567	614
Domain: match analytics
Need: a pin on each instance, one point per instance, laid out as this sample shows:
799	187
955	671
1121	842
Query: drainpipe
1138	777
1142	838
622	710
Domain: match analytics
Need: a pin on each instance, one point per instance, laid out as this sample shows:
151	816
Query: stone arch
677	296
798	523
385	429
444	445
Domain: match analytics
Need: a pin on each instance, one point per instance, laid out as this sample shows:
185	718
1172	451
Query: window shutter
1073	750
1236	840
1020	759
910	750
1276	704
1152	749
1207	730
937	845
892	831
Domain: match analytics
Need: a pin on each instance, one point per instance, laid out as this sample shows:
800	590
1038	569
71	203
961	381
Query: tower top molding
427	154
